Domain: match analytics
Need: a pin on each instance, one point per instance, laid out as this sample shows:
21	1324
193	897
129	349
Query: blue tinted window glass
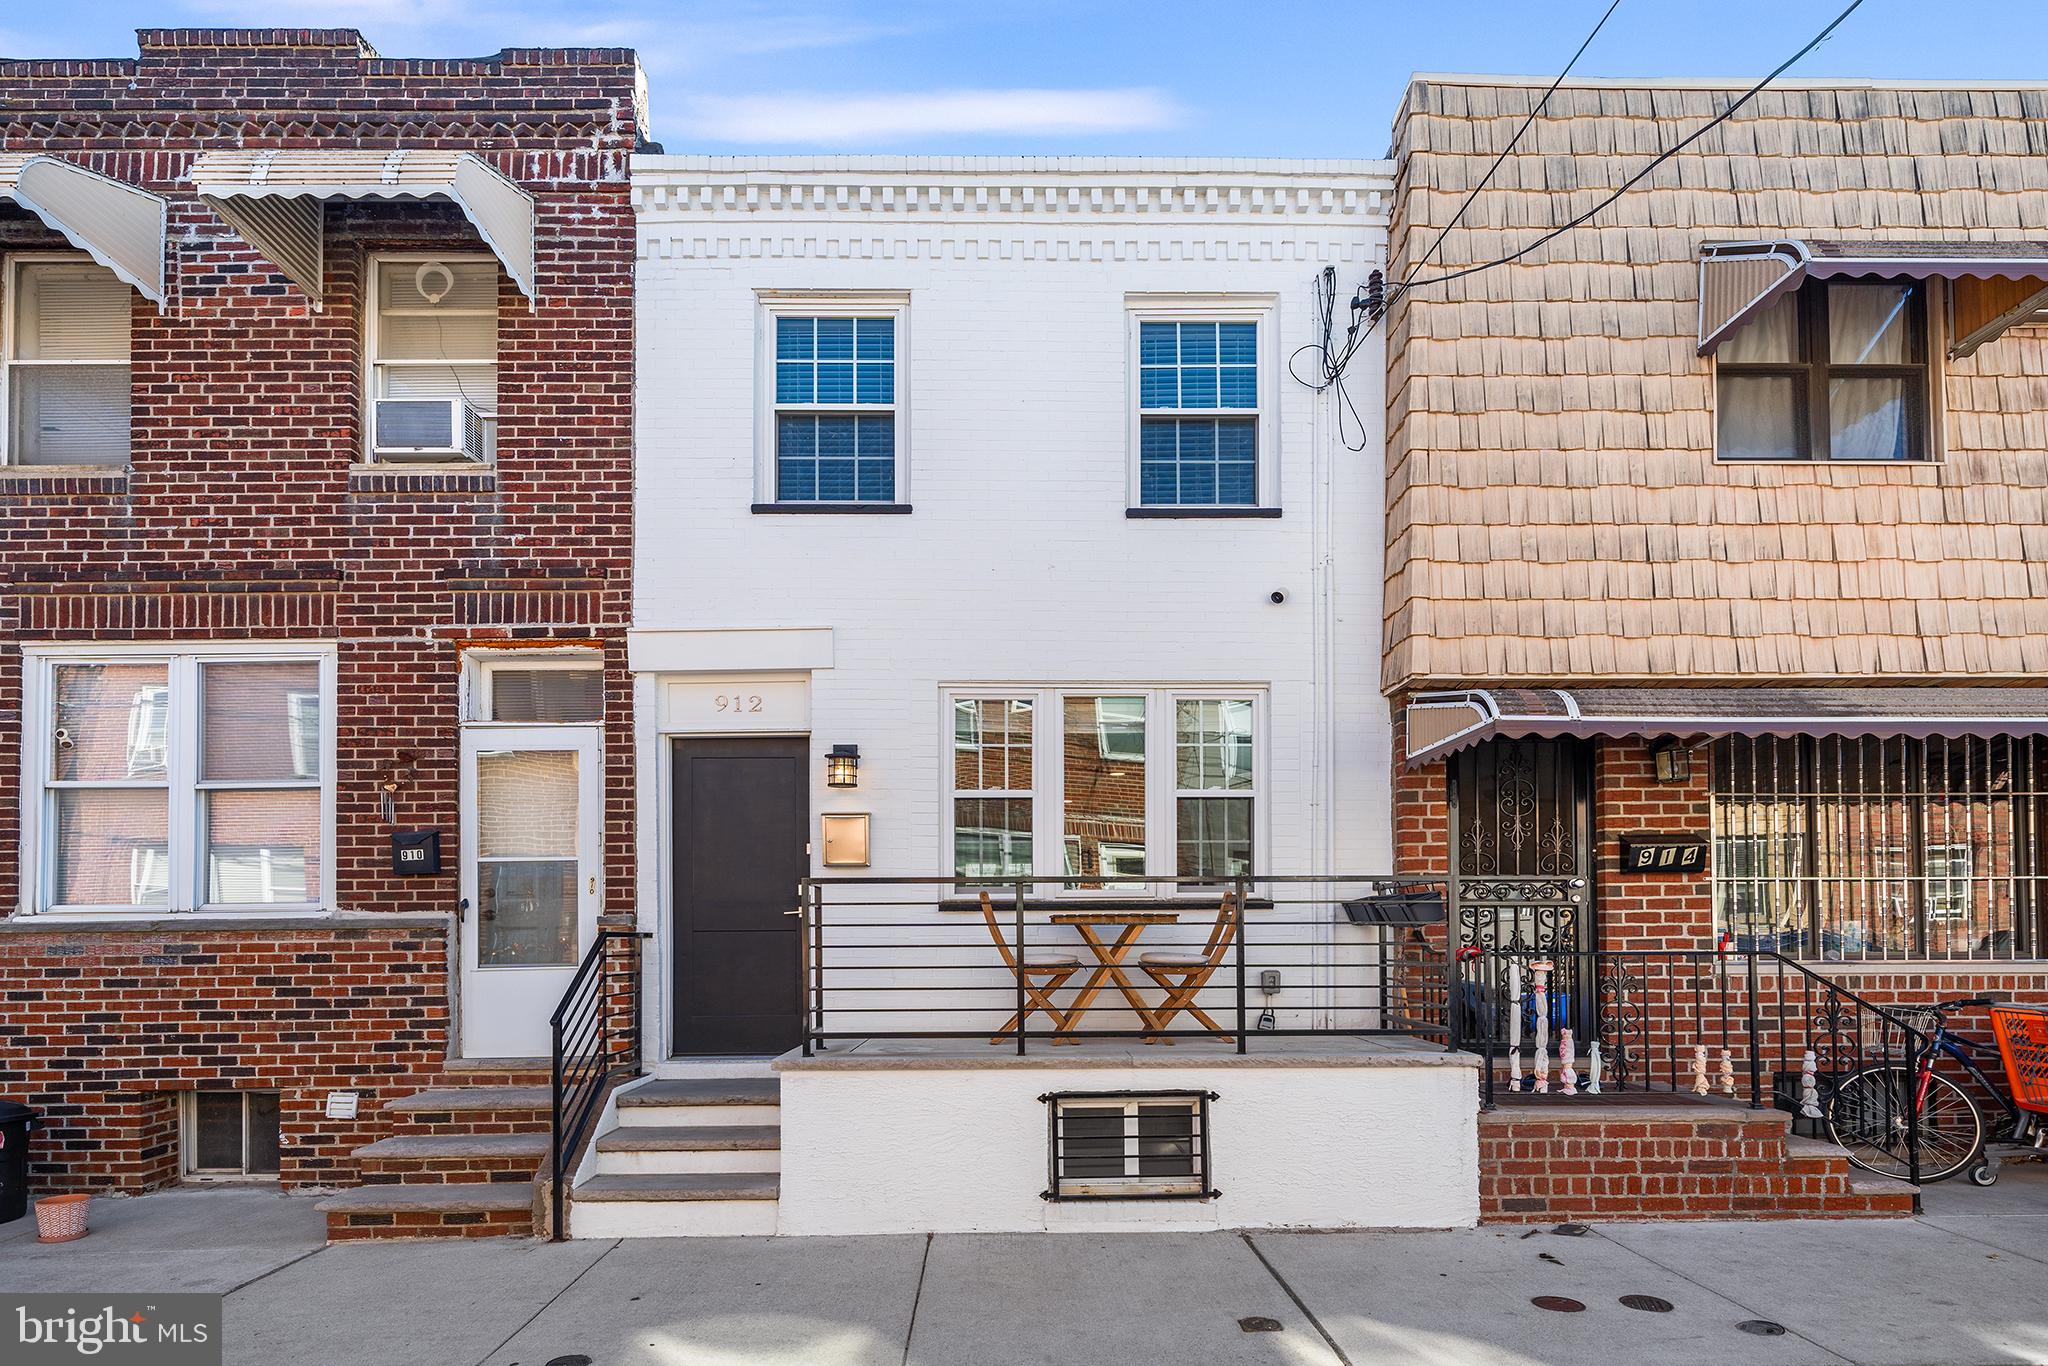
835	382
1237	343
1156	344
877	481
835	339
835	437
877	438
1197	461
1237	440
1197	483
793	339
1158	388
1198	343
1236	482
1197	441
796	480
1198	386
793	382
876	338
1156	483
876	383
796	436
1240	387
835	481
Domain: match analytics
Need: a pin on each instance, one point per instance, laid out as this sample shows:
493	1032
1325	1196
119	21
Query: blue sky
1101	77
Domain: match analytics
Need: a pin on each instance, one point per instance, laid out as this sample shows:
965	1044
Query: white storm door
532	810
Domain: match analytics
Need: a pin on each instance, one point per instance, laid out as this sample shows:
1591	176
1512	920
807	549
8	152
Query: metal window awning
1994	285
1441	723
119	225
274	198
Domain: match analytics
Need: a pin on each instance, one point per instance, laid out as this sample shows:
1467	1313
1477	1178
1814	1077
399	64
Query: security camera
1277	596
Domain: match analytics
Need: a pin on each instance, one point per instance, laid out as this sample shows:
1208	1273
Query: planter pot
1410	906
61	1218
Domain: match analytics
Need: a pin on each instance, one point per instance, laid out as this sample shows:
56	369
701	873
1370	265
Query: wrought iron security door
1521	868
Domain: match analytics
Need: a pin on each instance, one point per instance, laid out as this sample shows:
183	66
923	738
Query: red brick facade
247	513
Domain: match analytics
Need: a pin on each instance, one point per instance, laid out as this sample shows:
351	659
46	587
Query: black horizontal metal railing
591	1043
1737	1025
915	958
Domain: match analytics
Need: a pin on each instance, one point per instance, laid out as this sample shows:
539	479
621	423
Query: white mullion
1048	816
185	839
1161	810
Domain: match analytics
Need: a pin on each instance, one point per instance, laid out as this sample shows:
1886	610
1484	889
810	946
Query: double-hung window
433	350
1836	370
181	780
66	364
1203	407
1104	788
834	403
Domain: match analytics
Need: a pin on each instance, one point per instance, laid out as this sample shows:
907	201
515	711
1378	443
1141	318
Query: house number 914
735	703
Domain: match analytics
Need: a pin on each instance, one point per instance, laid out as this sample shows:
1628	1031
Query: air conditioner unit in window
431	429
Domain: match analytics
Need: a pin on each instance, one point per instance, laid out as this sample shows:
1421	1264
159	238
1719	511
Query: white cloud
839	120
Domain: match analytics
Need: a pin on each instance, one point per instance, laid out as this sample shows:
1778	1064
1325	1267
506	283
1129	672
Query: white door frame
504	1010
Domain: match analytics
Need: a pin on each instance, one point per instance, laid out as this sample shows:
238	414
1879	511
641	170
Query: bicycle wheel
1867	1116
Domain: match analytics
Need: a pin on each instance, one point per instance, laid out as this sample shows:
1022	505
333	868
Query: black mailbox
416	853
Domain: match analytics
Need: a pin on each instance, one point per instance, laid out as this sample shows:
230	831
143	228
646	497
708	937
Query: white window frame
1162	792
1262	309
774	304
182	786
18	264
188	1137
1131	1184
479	664
373	312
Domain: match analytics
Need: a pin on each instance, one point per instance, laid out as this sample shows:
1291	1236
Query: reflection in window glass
109	847
992	756
110	722
262	847
1213	755
1104	776
254	721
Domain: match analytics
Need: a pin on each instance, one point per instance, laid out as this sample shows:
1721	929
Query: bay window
1149	783
180	779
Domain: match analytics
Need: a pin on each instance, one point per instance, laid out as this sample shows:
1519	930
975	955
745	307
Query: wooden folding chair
1042	973
1182	974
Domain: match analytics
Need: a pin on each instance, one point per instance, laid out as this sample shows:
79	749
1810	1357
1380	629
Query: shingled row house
1717	565
315	533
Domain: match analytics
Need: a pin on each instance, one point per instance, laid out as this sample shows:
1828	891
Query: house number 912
738	702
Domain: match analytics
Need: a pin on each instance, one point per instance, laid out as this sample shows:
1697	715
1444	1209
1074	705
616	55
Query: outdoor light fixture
1673	761
842	766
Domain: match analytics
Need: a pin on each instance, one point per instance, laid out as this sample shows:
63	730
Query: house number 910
739	702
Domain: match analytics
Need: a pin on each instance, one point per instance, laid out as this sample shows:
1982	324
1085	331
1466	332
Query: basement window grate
1128	1145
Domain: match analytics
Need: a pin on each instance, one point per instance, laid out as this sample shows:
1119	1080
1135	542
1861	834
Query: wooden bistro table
1109	958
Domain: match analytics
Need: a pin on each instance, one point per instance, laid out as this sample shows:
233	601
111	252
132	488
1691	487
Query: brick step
474	1110
453	1158
433	1210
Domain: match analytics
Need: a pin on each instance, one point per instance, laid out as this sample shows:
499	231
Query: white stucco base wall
954	1145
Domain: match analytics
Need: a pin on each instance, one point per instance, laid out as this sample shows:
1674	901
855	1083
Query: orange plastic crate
2023	1043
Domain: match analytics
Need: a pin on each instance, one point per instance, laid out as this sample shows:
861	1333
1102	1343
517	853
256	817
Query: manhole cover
1763	1328
1557	1304
575	1360
1649	1304
1259	1324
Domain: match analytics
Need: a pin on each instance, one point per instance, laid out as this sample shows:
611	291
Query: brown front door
742	822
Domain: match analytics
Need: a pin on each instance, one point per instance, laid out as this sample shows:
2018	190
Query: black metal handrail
587	1041
1677	1020
913	958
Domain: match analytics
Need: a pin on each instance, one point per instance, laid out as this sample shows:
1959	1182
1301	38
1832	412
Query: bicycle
1868	1114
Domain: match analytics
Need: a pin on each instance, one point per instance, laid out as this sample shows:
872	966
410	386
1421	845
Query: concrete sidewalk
1965	1285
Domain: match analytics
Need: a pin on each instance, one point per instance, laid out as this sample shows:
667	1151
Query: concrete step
719	1204
469	1099
670	1102
436	1210
453	1157
645	1150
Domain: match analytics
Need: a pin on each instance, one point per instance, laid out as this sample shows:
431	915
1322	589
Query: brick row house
315	500
1717	540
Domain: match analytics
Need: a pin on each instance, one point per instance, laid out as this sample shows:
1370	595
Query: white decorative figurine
1514	1025
1593	1068
1809	1086
1567	1074
1539	977
1699	1069
1727	1074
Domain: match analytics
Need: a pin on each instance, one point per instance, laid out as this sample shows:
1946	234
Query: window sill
831	508
159	922
63	478
467	477
1202	514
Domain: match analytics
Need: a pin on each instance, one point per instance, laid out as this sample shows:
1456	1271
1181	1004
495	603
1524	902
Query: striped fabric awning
1441	723
119	225
1994	285
273	199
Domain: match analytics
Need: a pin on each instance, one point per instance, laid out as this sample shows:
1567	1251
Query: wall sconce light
1673	761
842	766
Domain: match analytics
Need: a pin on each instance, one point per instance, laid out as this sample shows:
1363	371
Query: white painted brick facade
1018	563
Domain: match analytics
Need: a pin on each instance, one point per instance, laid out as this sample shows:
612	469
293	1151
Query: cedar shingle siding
1554	509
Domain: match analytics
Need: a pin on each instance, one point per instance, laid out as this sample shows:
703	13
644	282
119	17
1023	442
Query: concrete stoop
688	1157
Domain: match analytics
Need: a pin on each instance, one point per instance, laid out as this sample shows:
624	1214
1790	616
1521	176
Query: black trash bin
15	1122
